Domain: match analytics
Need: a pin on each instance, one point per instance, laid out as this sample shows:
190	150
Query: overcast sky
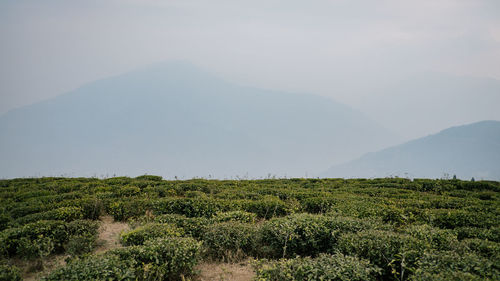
361	53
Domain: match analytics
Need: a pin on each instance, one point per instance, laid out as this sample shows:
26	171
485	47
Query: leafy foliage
230	240
9	273
328	229
324	267
150	231
159	259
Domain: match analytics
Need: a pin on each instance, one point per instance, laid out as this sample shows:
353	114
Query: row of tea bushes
323	267
42	238
390	229
395	253
169	258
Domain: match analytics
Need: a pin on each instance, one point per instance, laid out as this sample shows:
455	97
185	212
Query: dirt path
225	272
31	271
109	234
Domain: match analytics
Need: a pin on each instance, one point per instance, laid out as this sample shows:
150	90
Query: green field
286	229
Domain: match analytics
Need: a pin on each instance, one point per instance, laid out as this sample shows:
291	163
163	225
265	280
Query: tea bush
324	267
395	253
64	213
240	216
484	248
230	240
393	228
123	210
149	231
448	265
9	273
96	268
42	236
194	227
80	244
159	259
462	218
267	208
318	205
433	238
306	234
163	258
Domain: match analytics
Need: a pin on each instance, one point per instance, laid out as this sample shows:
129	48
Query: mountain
465	151
174	119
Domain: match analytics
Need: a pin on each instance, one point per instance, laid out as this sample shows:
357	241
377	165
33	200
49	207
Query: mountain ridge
175	119
471	150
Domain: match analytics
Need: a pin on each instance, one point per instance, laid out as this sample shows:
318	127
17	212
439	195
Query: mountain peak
173	118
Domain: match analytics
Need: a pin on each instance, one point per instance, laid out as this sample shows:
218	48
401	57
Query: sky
415	67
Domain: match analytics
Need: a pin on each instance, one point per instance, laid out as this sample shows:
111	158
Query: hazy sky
361	53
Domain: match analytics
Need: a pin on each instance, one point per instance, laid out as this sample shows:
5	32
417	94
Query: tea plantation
290	229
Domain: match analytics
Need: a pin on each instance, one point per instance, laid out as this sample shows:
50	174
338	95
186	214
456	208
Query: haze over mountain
465	151
422	103
174	119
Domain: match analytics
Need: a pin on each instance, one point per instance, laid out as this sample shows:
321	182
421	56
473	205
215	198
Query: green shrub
324	267
33	239
9	273
451	219
189	207
96	268
163	258
149	178
122	210
195	194
393	215
83	236
484	248
433	238
317	205
305	234
35	248
240	216
80	244
447	265
82	227
492	234
267	208
64	214
194	227
92	207
26	208
128	191
400	225
302	234
24	236
394	253
159	259
230	240
149	231
5	220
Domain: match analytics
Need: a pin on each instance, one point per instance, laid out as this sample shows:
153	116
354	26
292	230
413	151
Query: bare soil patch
32	270
241	271
109	234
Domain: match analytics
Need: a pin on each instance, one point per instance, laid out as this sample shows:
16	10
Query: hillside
174	119
466	151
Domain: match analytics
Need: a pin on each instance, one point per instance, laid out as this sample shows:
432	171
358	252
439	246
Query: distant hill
174	119
466	151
